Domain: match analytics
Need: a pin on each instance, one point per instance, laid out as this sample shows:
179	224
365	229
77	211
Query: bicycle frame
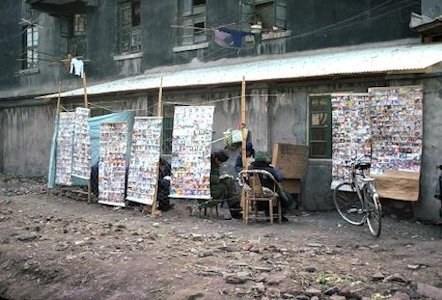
364	184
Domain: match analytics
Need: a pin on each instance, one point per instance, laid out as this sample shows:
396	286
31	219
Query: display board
351	128
144	162
396	121
112	166
64	148
81	160
191	149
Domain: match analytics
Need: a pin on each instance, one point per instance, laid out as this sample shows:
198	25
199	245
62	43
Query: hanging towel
77	66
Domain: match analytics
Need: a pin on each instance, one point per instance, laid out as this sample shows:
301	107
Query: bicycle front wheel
349	204
374	214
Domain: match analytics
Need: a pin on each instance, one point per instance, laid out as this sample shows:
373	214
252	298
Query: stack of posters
64	148
145	155
351	128
82	144
191	149
112	166
396	120
390	118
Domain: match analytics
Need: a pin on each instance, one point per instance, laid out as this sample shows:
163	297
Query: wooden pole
86	105
244	203
160	114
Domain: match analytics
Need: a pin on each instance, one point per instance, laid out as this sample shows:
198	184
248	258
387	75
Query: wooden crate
291	160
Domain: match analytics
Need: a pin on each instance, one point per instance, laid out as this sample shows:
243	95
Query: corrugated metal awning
393	59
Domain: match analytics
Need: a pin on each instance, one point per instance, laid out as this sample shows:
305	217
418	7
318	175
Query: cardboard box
291	160
293	186
398	185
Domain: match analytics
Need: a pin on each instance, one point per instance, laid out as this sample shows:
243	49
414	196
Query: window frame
192	15
278	13
327	127
129	27
30	59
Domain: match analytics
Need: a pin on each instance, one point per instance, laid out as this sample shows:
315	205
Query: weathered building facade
126	45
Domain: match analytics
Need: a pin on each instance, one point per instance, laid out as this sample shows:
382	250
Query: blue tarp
94	127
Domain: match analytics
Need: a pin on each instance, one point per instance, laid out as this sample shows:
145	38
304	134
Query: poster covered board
191	149
81	160
64	148
112	166
396	121
351	128
145	155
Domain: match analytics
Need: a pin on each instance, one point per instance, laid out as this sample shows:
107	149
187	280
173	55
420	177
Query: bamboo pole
86	105
160	114
57	116
244	203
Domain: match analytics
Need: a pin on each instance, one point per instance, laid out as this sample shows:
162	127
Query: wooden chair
254	193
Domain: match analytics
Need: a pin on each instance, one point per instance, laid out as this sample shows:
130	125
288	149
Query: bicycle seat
363	165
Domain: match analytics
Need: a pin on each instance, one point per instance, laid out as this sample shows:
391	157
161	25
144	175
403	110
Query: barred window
129	38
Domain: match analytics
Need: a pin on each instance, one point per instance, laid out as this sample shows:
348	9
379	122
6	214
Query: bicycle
357	201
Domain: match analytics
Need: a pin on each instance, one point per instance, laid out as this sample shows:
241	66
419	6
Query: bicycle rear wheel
349	204
374	214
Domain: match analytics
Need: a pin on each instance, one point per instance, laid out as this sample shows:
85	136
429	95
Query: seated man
262	162
250	155
221	186
163	191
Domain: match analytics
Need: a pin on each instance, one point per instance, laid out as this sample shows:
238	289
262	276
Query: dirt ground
55	247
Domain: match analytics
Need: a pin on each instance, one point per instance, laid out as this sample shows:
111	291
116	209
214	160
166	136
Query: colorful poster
144	162
351	129
64	148
396	120
112	166
191	149
82	144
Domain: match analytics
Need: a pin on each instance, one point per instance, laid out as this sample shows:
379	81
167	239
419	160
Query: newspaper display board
351	128
112	166
191	149
64	148
81	160
396	121
144	162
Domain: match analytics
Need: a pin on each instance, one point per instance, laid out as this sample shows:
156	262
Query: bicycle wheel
374	214
349	204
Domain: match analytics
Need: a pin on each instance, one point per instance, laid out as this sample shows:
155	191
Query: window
77	43
320	126
30	45
271	13
168	114
192	18
129	39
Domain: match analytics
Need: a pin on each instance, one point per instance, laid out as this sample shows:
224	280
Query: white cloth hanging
77	67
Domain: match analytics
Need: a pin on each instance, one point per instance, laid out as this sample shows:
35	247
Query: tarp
94	125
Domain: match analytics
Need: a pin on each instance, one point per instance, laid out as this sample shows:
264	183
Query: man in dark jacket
250	154
262	162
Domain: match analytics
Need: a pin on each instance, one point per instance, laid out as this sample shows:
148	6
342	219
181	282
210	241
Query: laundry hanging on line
226	37
77	67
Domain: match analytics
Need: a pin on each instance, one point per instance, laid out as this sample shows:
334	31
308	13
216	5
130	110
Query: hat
221	156
261	156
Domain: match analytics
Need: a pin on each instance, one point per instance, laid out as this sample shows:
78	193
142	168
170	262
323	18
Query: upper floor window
30	47
270	13
192	20
74	28
129	38
320	126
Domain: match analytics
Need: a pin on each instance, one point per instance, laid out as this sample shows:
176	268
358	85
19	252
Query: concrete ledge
28	71
128	56
190	47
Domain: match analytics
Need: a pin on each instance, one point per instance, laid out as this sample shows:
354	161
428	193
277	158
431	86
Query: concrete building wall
26	139
428	206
